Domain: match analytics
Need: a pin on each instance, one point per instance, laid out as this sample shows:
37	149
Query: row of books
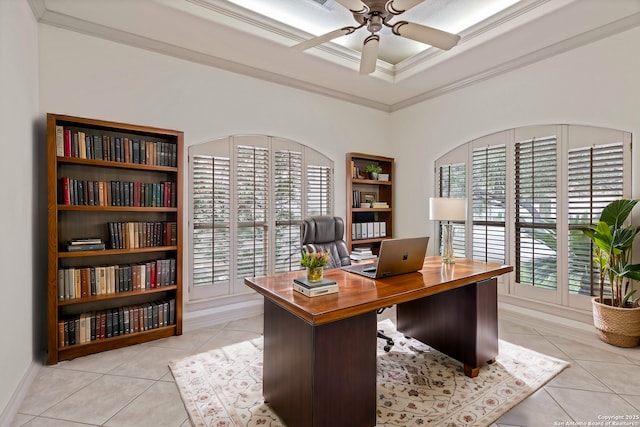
72	143
368	230
78	282
134	235
99	325
117	193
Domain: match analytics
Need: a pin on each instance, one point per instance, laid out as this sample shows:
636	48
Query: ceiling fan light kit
374	14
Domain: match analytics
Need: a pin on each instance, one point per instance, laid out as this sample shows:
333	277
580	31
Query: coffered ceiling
245	37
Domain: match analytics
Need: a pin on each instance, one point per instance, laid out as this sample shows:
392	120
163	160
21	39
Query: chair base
381	335
388	339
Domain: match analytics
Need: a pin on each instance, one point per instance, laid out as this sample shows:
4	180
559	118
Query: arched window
531	191
248	195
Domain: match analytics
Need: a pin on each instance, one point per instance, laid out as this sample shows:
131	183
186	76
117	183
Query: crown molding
70	23
417	62
38	8
56	19
569	44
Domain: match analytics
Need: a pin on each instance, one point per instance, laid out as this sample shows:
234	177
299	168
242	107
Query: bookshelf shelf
127	294
121	184
110	164
371	182
115	208
371	209
107	252
78	350
368	226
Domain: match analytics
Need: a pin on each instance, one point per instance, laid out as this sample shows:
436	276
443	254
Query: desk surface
359	294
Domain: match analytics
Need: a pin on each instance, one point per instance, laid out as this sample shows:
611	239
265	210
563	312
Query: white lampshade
447	209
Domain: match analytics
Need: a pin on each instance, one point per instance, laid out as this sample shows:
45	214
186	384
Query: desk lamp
447	209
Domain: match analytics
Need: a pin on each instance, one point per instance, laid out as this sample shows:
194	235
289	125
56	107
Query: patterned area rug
416	385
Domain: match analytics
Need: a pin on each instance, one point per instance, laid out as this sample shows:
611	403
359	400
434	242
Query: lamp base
447	245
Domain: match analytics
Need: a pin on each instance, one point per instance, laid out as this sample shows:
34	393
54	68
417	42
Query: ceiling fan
373	14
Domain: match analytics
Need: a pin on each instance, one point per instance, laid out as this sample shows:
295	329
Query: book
86	247
87	241
362	257
316	291
302	281
59	141
362	250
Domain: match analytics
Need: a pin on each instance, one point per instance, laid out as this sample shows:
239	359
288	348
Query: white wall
90	77
21	184
596	84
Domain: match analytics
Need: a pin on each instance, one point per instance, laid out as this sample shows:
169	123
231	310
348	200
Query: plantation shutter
319	192
252	196
249	195
288	207
595	179
535	212
211	219
489	203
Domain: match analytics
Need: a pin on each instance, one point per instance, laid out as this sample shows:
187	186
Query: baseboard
10	411
222	314
571	329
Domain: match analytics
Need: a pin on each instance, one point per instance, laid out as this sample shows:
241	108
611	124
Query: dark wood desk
320	353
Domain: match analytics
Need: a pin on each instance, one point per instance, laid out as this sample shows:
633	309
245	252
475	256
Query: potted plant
617	317
373	170
315	263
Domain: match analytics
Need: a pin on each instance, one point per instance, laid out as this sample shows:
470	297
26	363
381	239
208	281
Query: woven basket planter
616	326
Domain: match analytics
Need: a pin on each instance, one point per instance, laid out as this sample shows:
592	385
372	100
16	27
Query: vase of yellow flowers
315	263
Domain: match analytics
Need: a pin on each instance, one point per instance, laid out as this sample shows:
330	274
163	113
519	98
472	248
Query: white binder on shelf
369	230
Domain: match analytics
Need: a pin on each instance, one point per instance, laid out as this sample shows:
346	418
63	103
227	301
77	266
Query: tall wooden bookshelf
368	226
120	184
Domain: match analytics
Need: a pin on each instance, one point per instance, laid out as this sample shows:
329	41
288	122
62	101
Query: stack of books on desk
314	289
360	254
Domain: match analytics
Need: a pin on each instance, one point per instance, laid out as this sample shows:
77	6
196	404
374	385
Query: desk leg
320	375
461	322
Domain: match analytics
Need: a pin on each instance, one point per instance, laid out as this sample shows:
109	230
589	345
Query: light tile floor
134	387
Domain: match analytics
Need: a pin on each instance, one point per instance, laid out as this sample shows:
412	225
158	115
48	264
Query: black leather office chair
326	234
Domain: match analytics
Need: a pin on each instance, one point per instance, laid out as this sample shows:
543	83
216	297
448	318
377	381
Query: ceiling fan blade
396	7
355	6
369	54
427	35
307	44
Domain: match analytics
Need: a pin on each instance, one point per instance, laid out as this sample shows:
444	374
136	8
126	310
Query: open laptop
396	256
